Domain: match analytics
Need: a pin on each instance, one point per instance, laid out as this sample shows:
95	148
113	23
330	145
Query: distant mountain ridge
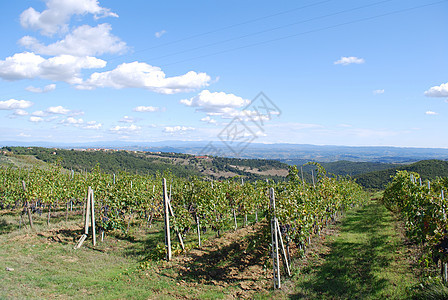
292	154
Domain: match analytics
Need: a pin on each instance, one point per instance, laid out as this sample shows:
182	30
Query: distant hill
372	175
182	165
428	169
355	168
292	154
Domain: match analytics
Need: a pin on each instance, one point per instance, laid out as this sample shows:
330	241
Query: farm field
340	241
360	256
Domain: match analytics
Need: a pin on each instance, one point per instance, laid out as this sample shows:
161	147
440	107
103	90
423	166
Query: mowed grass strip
366	260
46	267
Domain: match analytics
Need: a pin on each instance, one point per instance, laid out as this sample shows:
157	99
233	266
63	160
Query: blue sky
368	73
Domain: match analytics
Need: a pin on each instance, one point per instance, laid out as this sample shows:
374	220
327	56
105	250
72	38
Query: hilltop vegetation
371	175
350	168
428	169
181	165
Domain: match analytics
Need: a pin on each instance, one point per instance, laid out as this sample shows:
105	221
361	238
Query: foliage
302	209
428	170
423	208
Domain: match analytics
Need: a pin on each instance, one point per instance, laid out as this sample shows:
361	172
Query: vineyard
233	213
422	206
124	200
302	209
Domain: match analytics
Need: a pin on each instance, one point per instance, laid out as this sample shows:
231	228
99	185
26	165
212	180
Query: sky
355	73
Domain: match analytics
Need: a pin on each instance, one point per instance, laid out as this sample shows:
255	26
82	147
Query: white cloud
36	119
21	66
80	123
177	129
53	110
349	60
438	91
159	33
146	109
72	121
125	129
431	113
24	135
83	41
217	103
47	88
20	112
58	110
209	120
14	104
39	113
92	125
74	113
127	119
66	68
142	75
55	18
377	92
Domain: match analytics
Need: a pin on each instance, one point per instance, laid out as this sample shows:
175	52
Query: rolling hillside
372	175
114	161
428	169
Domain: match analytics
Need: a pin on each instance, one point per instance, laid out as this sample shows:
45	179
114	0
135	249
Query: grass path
366	260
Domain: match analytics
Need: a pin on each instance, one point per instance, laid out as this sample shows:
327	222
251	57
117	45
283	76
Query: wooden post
92	206
49	214
30	218
274	239
179	236
87	218
167	222
199	230
234	219
284	255
84	211
275	257
272	200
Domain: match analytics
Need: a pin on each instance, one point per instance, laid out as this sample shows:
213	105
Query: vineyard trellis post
276	237
167	222
89	218
275	258
27	207
199	230
179	236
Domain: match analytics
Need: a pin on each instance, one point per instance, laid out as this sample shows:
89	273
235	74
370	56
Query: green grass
366	260
46	265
